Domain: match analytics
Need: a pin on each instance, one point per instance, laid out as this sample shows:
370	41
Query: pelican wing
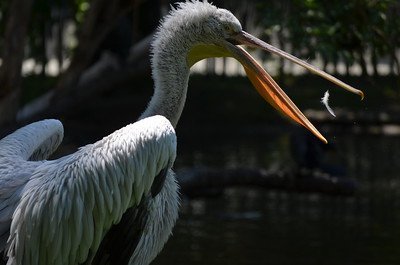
121	240
144	229
69	204
35	141
10	195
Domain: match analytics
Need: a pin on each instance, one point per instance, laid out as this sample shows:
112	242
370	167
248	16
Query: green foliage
81	6
45	14
335	29
345	30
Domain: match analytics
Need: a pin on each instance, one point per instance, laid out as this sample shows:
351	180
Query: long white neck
171	75
179	31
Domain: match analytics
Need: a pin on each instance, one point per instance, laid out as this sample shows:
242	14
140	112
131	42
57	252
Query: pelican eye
229	29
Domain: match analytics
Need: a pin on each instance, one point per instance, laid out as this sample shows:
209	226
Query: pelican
116	201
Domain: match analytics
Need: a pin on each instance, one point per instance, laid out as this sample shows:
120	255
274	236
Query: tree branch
205	181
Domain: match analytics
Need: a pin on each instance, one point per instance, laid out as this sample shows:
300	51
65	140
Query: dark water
254	226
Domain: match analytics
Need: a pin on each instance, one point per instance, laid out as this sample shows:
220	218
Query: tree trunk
281	67
12	57
374	62
362	62
100	19
395	62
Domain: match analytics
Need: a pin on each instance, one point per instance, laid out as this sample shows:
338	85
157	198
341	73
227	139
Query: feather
325	101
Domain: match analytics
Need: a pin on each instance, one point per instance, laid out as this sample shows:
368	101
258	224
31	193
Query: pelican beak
262	81
267	87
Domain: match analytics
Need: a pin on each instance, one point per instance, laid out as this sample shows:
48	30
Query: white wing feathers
70	203
10	195
35	141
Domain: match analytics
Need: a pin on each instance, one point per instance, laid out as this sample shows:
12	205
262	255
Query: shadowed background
86	63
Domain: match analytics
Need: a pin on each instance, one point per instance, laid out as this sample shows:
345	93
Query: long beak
247	39
267	87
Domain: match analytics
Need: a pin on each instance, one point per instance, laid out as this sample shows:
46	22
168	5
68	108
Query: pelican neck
170	72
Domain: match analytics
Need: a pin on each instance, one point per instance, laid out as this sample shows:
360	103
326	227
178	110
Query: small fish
324	100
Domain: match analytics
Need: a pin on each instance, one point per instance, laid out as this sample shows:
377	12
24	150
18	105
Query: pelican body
116	201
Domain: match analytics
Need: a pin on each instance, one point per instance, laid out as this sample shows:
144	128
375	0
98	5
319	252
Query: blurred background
256	189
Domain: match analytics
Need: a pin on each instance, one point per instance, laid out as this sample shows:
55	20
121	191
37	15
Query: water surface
255	226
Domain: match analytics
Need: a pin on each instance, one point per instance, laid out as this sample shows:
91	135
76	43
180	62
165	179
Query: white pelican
116	201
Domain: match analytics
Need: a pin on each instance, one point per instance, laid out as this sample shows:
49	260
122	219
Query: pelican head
207	31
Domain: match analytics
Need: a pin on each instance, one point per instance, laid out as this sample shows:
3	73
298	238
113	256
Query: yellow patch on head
204	51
